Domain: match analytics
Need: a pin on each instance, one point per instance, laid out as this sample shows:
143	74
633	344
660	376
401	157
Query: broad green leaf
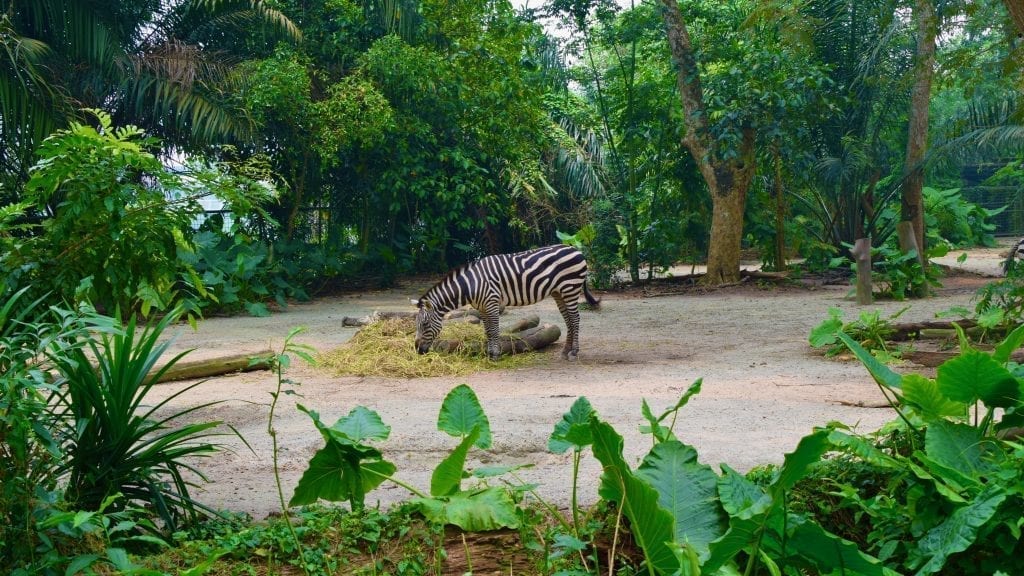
652	526
473	510
826	333
362	424
688	490
923	394
257	309
974	376
958	446
959	531
338	473
797	463
1011	343
829	553
447	477
863	449
743	532
461	413
573	430
882	374
737	493
80	563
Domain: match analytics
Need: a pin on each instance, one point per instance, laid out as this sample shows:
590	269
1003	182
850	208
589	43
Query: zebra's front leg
489	317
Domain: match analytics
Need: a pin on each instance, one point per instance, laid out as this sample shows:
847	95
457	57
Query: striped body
493	282
1015	255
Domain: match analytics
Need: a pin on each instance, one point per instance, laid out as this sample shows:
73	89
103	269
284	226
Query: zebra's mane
449	275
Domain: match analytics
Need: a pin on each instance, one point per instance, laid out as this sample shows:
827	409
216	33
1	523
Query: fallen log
527	340
932	359
194	369
523	324
909	330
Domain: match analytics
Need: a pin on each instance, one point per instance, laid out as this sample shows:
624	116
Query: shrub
114	442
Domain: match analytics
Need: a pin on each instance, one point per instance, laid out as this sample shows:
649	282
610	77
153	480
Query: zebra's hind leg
571	315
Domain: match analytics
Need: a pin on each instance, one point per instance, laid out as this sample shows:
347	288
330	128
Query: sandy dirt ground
764	387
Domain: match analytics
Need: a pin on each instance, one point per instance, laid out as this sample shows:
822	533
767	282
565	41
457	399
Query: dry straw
385	348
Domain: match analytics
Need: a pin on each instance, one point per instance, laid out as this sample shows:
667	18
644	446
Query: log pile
526	335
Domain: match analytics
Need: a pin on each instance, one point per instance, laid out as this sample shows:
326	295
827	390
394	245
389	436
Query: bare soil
763	386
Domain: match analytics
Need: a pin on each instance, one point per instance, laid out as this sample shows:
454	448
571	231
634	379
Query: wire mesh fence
1009	222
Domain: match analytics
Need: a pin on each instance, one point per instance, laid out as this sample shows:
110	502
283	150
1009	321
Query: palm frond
242	14
578	162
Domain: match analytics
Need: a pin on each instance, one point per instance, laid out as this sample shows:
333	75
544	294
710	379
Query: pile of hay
386	348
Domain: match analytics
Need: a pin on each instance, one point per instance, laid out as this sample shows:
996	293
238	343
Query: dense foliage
191	157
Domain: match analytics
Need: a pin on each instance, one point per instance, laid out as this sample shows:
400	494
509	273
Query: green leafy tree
162	66
110	227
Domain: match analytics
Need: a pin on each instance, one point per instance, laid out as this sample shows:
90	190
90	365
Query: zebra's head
428	324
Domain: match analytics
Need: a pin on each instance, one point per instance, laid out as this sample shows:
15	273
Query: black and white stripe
518	279
1013	258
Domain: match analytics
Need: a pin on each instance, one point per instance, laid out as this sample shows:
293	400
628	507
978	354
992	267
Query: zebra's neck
445	301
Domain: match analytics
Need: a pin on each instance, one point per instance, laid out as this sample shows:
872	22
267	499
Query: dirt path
764	388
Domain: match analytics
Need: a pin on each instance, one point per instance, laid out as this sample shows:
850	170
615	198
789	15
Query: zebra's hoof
570	356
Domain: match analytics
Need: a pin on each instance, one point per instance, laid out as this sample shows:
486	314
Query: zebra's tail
594	303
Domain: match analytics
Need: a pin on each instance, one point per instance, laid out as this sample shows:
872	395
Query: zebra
1016	253
517	279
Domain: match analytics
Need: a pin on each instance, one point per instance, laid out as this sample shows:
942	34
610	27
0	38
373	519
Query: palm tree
162	65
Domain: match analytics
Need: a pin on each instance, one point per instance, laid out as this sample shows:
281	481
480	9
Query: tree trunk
862	255
726	235
912	205
780	214
1016	10
727	180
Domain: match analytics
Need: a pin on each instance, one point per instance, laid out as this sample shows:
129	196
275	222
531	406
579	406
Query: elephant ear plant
348	467
959	493
114	438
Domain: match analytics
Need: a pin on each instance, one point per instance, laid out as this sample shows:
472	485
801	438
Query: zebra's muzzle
422	348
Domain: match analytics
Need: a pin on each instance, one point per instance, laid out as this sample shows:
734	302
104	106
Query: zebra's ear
414	301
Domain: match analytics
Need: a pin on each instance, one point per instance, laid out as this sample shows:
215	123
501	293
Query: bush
86	460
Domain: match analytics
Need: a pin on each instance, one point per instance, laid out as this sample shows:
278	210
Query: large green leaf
809	543
863	449
447	477
826	333
573	430
688	490
797	463
1009	344
461	413
651	525
974	376
362	424
882	374
752	511
924	395
473	510
957	446
736	492
959	531
339	472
